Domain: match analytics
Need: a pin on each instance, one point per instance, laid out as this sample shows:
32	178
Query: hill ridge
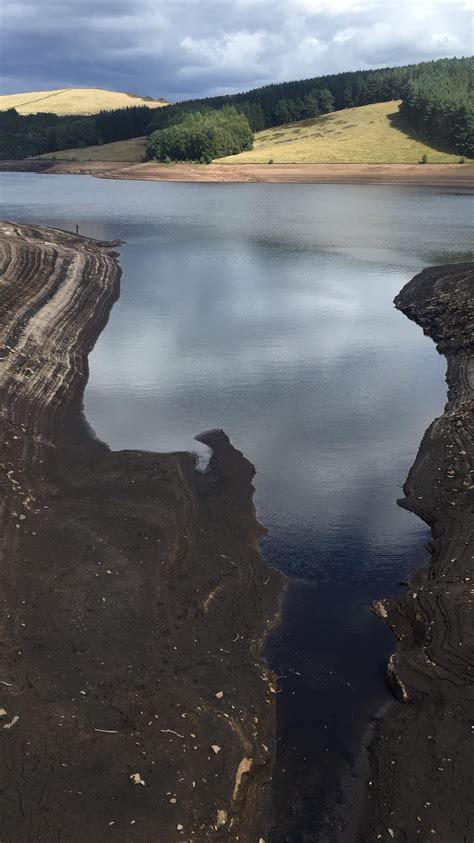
75	100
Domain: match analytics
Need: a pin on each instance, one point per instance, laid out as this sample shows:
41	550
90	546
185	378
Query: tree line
317	101
27	135
202	136
263	105
440	106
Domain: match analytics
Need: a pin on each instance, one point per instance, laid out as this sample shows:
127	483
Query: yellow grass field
74	101
366	135
131	150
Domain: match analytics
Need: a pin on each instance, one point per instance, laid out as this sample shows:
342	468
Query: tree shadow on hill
397	122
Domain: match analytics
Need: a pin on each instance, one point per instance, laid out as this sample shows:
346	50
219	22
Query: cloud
188	48
238	52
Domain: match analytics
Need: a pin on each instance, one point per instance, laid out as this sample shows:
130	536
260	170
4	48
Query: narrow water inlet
329	690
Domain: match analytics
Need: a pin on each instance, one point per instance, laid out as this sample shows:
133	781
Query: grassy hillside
74	101
369	134
127	150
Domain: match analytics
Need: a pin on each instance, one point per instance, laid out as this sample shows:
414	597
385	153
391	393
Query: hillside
132	150
348	117
368	134
74	101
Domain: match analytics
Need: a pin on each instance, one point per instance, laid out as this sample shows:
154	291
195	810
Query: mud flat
421	781
134	703
434	175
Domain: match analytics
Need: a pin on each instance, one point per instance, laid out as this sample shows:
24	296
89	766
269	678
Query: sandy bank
447	175
134	600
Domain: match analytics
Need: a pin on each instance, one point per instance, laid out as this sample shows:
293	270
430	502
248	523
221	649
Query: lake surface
267	310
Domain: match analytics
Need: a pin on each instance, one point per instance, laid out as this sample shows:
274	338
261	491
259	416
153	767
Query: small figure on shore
77	229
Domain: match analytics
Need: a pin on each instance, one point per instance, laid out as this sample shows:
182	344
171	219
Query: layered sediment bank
433	175
133	701
421	785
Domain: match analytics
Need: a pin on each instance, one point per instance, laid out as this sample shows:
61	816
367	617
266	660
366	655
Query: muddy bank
420	784
442	175
134	600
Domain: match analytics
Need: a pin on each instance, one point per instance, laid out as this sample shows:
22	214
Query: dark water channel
267	310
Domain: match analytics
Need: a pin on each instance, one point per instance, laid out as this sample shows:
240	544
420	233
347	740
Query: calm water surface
267	310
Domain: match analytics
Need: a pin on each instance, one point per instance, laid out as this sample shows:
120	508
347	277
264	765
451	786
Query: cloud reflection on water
267	309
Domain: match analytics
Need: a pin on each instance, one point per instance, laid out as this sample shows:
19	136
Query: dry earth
447	175
134	703
421	786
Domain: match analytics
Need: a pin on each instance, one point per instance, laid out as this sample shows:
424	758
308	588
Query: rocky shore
421	781
134	704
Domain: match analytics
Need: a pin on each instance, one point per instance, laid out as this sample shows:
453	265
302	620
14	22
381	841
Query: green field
74	101
369	134
127	150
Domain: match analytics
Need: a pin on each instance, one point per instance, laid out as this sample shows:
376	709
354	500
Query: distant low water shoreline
433	175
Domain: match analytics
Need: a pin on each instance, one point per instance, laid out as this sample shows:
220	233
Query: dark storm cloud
185	48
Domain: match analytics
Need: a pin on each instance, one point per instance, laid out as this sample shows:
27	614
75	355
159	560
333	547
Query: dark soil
421	781
134	599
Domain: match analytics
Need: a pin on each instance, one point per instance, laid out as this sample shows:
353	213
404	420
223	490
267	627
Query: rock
379	609
221	817
12	722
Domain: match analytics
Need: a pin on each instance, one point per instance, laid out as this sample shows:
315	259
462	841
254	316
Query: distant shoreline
432	175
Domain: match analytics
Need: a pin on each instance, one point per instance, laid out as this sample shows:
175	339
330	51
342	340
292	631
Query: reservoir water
267	310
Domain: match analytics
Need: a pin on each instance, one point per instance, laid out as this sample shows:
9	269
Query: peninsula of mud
134	704
421	781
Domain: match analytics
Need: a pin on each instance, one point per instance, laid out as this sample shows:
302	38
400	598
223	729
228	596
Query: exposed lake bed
434	175
133	692
214	335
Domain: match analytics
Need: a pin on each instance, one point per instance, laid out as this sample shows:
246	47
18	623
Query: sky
185	48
